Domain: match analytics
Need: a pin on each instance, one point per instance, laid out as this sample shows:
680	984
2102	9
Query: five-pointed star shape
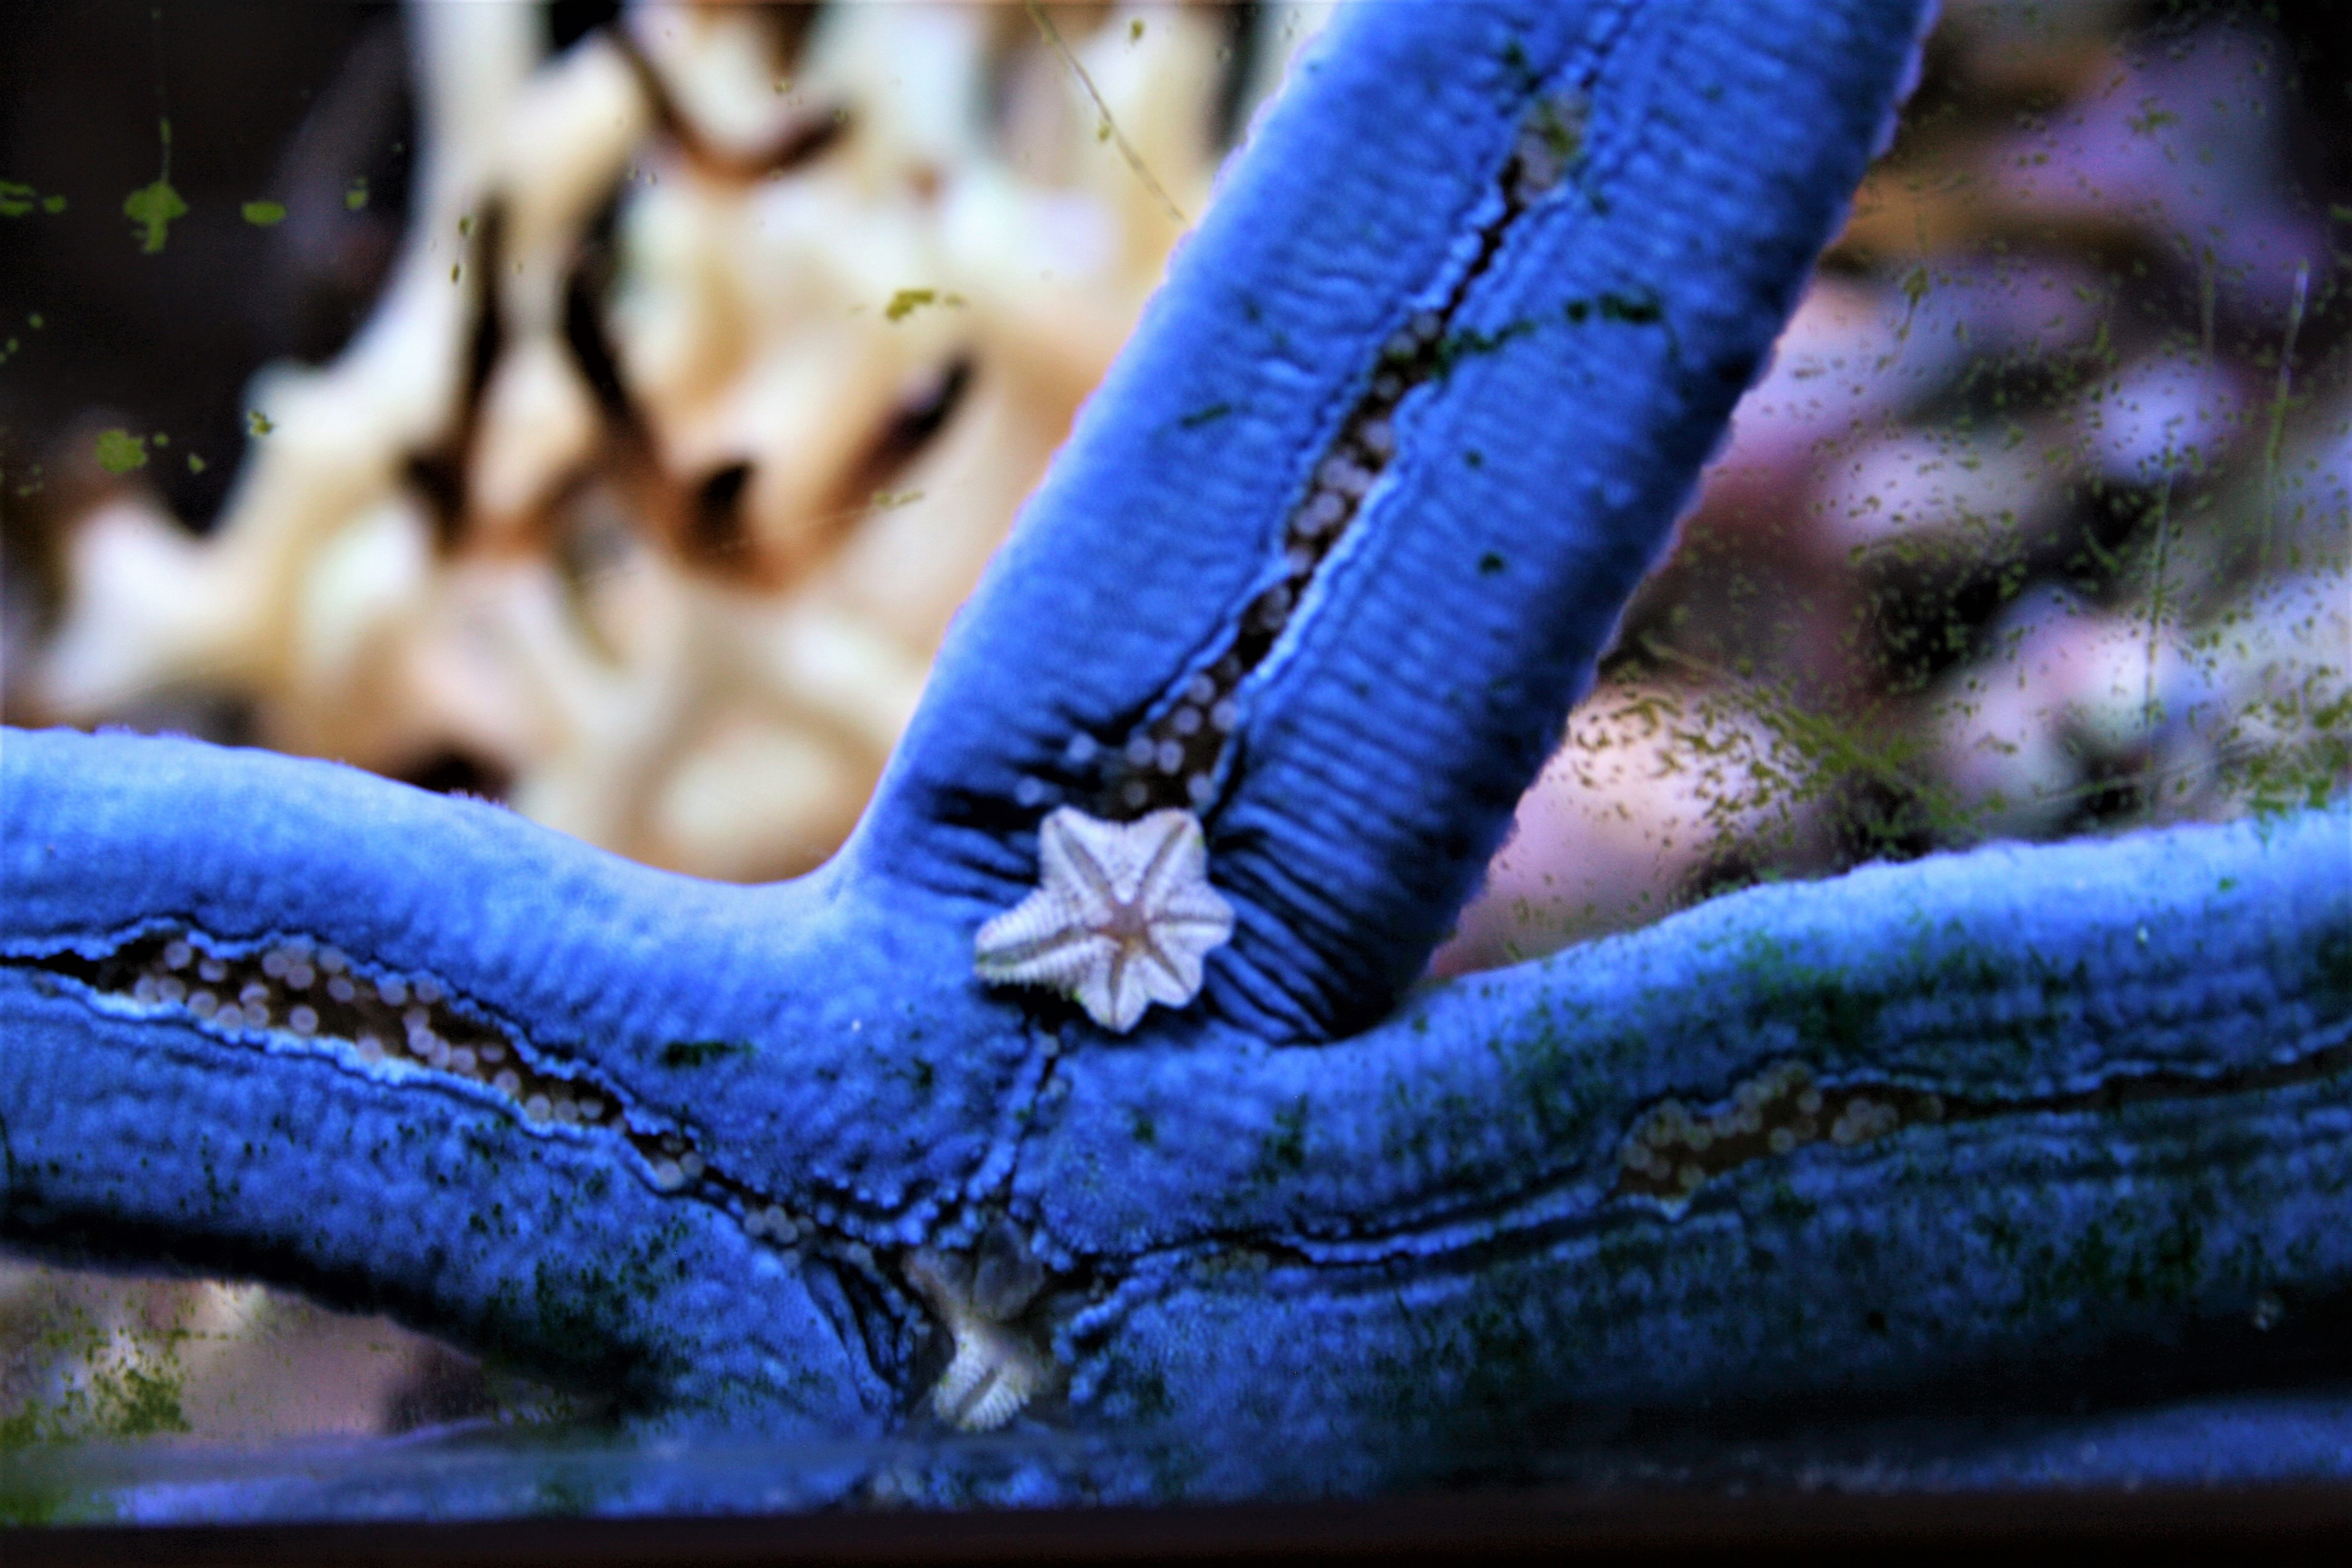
1123	917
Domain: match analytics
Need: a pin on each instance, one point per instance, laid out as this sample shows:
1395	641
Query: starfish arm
1199	917
1118	998
1083	860
1168	972
1586	325
718	1051
1042	941
1176	874
2066	1103
131	1140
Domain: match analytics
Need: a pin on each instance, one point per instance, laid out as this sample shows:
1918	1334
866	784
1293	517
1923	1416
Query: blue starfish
1325	563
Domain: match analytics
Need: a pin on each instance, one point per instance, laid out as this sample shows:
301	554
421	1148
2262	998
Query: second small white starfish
1122	918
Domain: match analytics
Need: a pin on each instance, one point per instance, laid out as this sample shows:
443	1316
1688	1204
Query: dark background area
291	100
280	102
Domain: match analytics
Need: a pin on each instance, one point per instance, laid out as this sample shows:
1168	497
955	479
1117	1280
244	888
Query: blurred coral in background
606	412
719	351
2039	523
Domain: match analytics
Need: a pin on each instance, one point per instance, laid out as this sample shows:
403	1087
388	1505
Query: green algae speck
17	199
152	207
119	451
701	1053
907	301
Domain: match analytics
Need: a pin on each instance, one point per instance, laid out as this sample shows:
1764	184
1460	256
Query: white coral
721	710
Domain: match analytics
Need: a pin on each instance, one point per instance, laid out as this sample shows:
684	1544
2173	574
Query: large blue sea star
1325	562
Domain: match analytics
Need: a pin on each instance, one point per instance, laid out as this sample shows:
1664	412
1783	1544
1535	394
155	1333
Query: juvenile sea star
1305	1234
1123	919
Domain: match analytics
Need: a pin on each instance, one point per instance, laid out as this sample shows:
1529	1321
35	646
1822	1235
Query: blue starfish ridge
773	1158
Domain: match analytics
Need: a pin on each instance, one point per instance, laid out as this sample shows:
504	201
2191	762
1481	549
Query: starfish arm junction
1412	417
2008	1108
1999	1121
538	1077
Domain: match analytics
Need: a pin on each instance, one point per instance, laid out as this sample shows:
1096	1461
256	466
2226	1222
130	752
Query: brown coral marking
925	408
439	476
807	137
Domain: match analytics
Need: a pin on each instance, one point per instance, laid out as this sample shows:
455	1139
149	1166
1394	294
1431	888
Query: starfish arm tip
1114	998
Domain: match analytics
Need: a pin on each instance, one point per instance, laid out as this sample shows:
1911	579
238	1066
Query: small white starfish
995	1369
1122	916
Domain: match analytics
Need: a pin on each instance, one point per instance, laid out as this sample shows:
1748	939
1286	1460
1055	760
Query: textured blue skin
1388	741
1335	1240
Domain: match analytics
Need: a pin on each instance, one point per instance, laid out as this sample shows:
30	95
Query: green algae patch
1282	1149
119	451
137	1401
907	301
17	199
264	214
1469	342
1559	123
701	1053
110	1382
152	207
1642	309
